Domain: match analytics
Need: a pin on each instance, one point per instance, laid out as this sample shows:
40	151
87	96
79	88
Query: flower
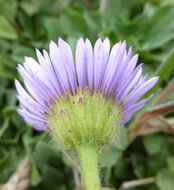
111	76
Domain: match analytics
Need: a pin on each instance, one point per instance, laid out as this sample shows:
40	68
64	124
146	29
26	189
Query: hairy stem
88	155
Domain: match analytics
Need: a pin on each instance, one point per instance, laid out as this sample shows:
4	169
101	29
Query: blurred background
145	150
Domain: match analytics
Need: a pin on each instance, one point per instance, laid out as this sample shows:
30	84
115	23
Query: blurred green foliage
147	25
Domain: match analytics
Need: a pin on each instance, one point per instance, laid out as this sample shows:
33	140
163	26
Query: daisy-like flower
82	101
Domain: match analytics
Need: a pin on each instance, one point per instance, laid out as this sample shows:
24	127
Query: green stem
88	155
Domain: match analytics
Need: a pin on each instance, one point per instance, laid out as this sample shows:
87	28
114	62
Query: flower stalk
88	155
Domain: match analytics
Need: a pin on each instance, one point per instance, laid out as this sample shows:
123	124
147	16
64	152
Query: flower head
102	87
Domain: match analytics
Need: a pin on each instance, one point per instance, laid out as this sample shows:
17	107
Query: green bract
84	118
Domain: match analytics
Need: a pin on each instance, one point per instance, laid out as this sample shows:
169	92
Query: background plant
148	25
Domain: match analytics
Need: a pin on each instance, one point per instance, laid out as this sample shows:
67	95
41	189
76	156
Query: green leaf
165	179
119	8
35	177
30	7
8	164
18	122
76	14
147	68
110	33
8	8
20	51
123	169
45	153
52	176
106	174
159	28
152	143
162	71
92	23
170	162
110	157
139	164
7	73
4	127
11	97
121	142
8	111
6	30
58	27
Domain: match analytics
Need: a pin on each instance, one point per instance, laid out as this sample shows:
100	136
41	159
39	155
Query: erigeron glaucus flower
83	98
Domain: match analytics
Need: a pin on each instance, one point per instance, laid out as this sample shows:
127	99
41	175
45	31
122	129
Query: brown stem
167	91
102	7
88	3
156	111
76	177
134	183
20	179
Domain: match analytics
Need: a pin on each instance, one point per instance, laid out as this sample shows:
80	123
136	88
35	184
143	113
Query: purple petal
36	72
27	97
35	86
128	71
81	66
40	127
50	72
98	63
130	82
135	95
89	63
128	113
123	66
111	65
68	63
115	71
59	66
28	115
